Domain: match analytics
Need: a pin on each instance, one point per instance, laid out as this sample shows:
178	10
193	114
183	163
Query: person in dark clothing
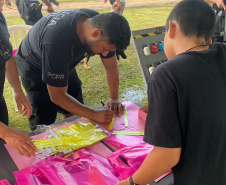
47	57
31	10
18	140
218	3
219	7
186	120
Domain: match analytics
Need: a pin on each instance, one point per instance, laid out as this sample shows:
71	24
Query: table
7	165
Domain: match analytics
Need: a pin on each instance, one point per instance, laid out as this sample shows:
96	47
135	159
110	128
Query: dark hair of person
114	28
195	17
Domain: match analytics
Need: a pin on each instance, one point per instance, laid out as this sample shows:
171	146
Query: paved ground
91	4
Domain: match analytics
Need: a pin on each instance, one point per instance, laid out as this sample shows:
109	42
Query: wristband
131	181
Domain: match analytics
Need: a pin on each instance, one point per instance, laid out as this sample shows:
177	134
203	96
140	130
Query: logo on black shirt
4	51
56	76
56	16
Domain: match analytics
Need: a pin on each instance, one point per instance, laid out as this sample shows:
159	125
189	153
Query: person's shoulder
174	62
89	12
170	67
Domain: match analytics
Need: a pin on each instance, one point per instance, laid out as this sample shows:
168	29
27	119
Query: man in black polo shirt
48	55
186	120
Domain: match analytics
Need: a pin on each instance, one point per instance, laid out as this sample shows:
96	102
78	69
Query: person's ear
172	29
96	34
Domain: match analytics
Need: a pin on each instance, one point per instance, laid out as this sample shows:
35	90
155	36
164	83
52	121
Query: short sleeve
55	64
162	127
110	54
5	45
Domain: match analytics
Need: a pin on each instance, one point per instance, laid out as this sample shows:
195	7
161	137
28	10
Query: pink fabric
31	175
62	170
83	168
88	168
50	172
167	173
23	162
135	124
20	160
4	182
134	155
89	165
120	141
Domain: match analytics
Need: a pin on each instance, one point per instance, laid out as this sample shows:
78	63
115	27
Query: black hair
114	28
195	17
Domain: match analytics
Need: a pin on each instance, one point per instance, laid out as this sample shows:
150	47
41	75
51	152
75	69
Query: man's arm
112	73
18	140
60	97
219	3
13	78
158	162
49	6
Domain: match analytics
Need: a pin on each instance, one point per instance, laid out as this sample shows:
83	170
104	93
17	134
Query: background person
186	119
48	55
31	10
117	6
18	140
219	7
219	3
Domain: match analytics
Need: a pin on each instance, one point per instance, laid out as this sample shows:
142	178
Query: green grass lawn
94	81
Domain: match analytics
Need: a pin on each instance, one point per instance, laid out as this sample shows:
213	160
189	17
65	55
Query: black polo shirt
52	48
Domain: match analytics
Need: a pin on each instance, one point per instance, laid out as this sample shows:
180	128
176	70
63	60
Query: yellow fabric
128	132
73	137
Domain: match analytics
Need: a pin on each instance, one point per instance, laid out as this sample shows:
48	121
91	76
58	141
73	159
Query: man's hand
103	116
20	142
23	104
116	106
50	9
124	182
